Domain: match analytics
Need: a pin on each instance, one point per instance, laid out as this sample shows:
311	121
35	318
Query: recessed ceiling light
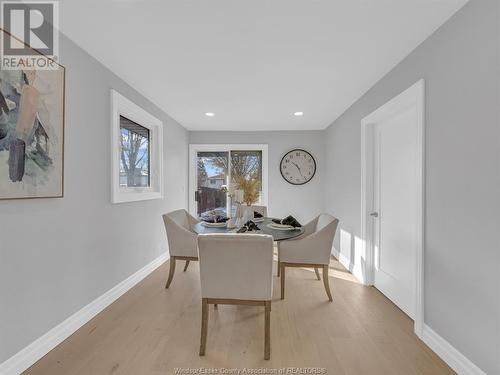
298	113
210	114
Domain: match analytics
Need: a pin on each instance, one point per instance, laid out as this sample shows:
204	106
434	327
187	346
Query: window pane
247	165
211	175
134	154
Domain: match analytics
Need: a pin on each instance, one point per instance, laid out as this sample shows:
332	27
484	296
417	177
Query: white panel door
395	202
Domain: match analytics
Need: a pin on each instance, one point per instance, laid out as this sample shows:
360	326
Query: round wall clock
298	167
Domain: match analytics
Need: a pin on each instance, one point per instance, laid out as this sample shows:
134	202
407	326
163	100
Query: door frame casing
413	96
195	147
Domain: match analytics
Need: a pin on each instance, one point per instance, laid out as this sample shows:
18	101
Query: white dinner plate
214	225
280	226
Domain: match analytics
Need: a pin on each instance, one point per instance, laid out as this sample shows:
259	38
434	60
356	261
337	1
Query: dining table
264	228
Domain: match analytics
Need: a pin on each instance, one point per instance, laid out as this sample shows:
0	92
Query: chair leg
171	272
327	282
282	270
267	333
186	265
279	264
204	325
317	273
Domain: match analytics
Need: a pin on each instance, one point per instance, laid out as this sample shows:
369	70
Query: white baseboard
25	358
456	360
346	262
342	259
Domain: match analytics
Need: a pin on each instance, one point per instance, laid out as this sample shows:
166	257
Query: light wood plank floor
151	330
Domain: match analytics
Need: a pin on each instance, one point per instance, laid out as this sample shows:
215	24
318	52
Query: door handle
374	214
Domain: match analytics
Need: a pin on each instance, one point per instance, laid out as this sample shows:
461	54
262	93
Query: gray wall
57	255
460	66
304	201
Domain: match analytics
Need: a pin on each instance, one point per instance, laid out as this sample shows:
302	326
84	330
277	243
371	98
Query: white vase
232	223
247	213
238	216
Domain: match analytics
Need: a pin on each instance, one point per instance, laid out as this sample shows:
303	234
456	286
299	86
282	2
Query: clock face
298	167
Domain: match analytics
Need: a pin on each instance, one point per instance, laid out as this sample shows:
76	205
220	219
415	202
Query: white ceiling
254	62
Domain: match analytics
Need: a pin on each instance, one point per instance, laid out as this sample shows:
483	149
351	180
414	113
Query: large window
137	152
216	170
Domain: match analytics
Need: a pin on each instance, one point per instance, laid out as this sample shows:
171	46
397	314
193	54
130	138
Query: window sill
135	196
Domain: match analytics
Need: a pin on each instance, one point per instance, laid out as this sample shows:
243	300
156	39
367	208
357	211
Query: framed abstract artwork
32	133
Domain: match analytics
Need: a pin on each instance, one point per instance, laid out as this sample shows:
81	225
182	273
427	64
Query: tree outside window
134	154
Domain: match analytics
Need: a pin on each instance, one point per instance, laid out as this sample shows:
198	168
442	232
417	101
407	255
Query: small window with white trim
137	152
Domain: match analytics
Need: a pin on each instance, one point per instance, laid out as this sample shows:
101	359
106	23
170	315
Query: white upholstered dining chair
311	249
182	241
236	269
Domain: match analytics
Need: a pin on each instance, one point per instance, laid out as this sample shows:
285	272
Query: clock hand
298	169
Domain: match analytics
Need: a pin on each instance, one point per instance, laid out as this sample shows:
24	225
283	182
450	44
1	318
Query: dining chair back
313	249
260	209
236	269
322	238
182	241
236	266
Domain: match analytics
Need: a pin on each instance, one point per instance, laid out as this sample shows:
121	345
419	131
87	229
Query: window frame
121	106
194	148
